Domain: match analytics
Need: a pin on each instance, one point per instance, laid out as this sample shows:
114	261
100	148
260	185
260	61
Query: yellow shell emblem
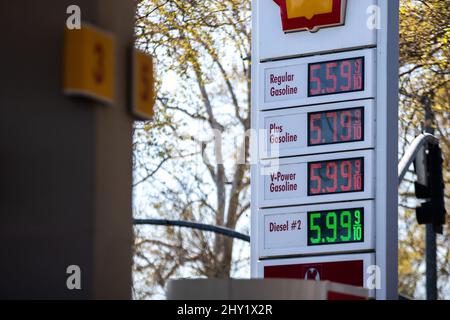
308	8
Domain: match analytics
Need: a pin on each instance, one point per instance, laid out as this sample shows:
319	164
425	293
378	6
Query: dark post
430	237
65	162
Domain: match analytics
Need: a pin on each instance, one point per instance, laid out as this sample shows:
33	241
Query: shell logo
312	15
312	274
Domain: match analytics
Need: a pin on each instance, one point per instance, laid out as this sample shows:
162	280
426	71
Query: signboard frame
366	245
368	141
303	199
302	64
387	149
299	43
385	41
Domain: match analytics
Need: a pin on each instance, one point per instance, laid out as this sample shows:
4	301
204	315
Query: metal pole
193	225
430	248
430	237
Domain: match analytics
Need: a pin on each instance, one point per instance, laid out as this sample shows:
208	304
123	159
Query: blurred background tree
424	79
203	59
190	163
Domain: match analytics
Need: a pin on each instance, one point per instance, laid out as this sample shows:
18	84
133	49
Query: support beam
65	163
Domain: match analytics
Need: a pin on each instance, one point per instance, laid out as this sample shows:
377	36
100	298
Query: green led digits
346	224
357	228
331	225
314	228
335	226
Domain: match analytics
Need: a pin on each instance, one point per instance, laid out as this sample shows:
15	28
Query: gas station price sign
336	76
335	226
325	105
317	228
336	176
335	126
318	129
315	80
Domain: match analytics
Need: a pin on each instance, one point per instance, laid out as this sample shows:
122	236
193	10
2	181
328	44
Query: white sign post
325	103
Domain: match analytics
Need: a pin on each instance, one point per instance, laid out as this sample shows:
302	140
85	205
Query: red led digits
346	125
332	119
357	76
315	178
333	176
315	132
358	175
315	89
333	77
337	176
346	73
346	174
357	125
339	126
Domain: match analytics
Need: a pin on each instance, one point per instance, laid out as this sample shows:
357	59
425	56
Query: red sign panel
311	14
346	272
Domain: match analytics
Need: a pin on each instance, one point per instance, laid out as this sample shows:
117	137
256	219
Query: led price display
335	176
338	126
337	76
335	226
